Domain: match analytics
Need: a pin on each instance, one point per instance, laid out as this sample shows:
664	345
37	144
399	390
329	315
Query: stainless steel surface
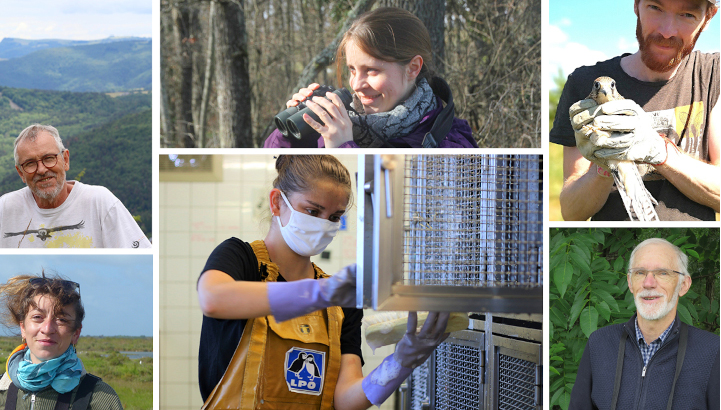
388	253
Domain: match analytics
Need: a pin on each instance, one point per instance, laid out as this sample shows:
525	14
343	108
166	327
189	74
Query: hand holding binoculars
290	121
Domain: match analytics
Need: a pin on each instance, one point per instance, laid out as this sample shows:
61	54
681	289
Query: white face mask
306	235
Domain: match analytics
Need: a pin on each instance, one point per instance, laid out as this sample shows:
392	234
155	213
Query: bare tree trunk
166	128
206	82
432	13
326	56
232	76
183	101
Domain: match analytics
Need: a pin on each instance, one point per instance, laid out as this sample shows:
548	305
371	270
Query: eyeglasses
68	285
661	275
32	165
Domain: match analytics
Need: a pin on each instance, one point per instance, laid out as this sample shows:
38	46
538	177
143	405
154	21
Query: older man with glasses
654	360
55	213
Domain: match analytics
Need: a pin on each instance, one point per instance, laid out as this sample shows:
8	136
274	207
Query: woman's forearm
221	297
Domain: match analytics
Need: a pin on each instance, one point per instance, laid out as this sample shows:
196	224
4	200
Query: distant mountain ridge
18	47
100	67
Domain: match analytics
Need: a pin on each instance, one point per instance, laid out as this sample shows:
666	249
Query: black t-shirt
680	109
220	337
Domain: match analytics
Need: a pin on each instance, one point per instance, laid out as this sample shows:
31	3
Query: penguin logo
298	363
304	370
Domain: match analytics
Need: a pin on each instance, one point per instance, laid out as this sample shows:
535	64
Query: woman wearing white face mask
278	333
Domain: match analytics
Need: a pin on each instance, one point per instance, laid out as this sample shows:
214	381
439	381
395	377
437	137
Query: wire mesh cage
419	395
473	220
516	383
458	377
452	233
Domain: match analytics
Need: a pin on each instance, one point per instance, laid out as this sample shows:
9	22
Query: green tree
588	289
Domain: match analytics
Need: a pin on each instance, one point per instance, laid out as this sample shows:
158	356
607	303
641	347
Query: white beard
659	309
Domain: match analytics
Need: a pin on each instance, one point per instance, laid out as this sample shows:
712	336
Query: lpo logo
304	370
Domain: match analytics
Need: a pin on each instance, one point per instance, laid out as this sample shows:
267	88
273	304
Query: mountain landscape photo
97	93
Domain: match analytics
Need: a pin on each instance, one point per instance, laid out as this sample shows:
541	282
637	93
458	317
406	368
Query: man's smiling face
655	299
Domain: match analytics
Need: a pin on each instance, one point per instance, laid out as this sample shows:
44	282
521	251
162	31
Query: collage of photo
528	217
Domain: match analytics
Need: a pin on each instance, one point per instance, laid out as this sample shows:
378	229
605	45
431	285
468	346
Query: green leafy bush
588	289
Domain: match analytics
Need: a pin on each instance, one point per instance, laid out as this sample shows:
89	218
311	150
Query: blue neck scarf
61	373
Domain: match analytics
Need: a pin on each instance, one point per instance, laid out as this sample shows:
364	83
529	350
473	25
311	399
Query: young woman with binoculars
397	101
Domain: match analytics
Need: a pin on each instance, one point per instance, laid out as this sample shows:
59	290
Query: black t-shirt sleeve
350	333
236	258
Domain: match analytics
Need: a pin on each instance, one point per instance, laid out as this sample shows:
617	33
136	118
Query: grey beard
49	196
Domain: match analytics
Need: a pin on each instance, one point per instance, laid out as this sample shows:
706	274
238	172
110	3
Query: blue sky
117	290
75	19
572	39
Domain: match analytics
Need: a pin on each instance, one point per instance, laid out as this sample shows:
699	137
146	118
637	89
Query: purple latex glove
292	299
411	352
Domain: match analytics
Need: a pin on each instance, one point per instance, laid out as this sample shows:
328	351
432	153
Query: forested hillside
109	140
18	47
104	67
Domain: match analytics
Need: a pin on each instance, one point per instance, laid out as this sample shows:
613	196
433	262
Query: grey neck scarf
373	130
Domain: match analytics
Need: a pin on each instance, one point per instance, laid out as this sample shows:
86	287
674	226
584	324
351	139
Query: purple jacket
460	135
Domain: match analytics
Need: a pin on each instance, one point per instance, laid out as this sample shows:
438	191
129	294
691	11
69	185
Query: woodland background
228	66
588	289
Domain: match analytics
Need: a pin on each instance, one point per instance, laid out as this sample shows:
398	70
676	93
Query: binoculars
290	121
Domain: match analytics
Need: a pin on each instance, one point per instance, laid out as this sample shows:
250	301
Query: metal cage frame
384	283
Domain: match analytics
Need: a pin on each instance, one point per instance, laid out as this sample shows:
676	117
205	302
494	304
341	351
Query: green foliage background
555	152
109	139
588	289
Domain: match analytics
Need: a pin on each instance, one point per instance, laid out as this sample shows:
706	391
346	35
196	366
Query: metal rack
451	233
487	367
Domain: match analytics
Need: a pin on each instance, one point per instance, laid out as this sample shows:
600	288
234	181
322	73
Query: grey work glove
632	135
617	130
414	348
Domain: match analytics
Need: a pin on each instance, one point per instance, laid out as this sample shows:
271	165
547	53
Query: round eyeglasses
48	161
661	275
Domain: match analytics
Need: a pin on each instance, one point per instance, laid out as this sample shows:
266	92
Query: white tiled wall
195	218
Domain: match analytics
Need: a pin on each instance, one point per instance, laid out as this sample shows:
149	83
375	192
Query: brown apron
293	364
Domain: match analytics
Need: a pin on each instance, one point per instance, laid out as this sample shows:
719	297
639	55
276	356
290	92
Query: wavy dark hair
18	298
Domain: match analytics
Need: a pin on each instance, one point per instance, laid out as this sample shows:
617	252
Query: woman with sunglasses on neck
277	332
397	97
45	371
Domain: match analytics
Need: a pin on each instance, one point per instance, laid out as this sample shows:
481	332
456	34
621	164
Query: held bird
636	198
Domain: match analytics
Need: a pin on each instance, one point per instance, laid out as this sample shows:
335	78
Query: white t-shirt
90	217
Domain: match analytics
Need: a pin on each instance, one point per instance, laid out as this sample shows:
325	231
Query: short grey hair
682	258
32	132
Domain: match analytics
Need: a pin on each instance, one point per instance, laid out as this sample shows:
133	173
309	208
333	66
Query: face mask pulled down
304	234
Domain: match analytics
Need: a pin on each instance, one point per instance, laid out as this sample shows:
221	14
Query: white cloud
626	46
567	55
565	22
21	27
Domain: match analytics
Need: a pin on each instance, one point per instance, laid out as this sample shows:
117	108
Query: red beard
658	63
